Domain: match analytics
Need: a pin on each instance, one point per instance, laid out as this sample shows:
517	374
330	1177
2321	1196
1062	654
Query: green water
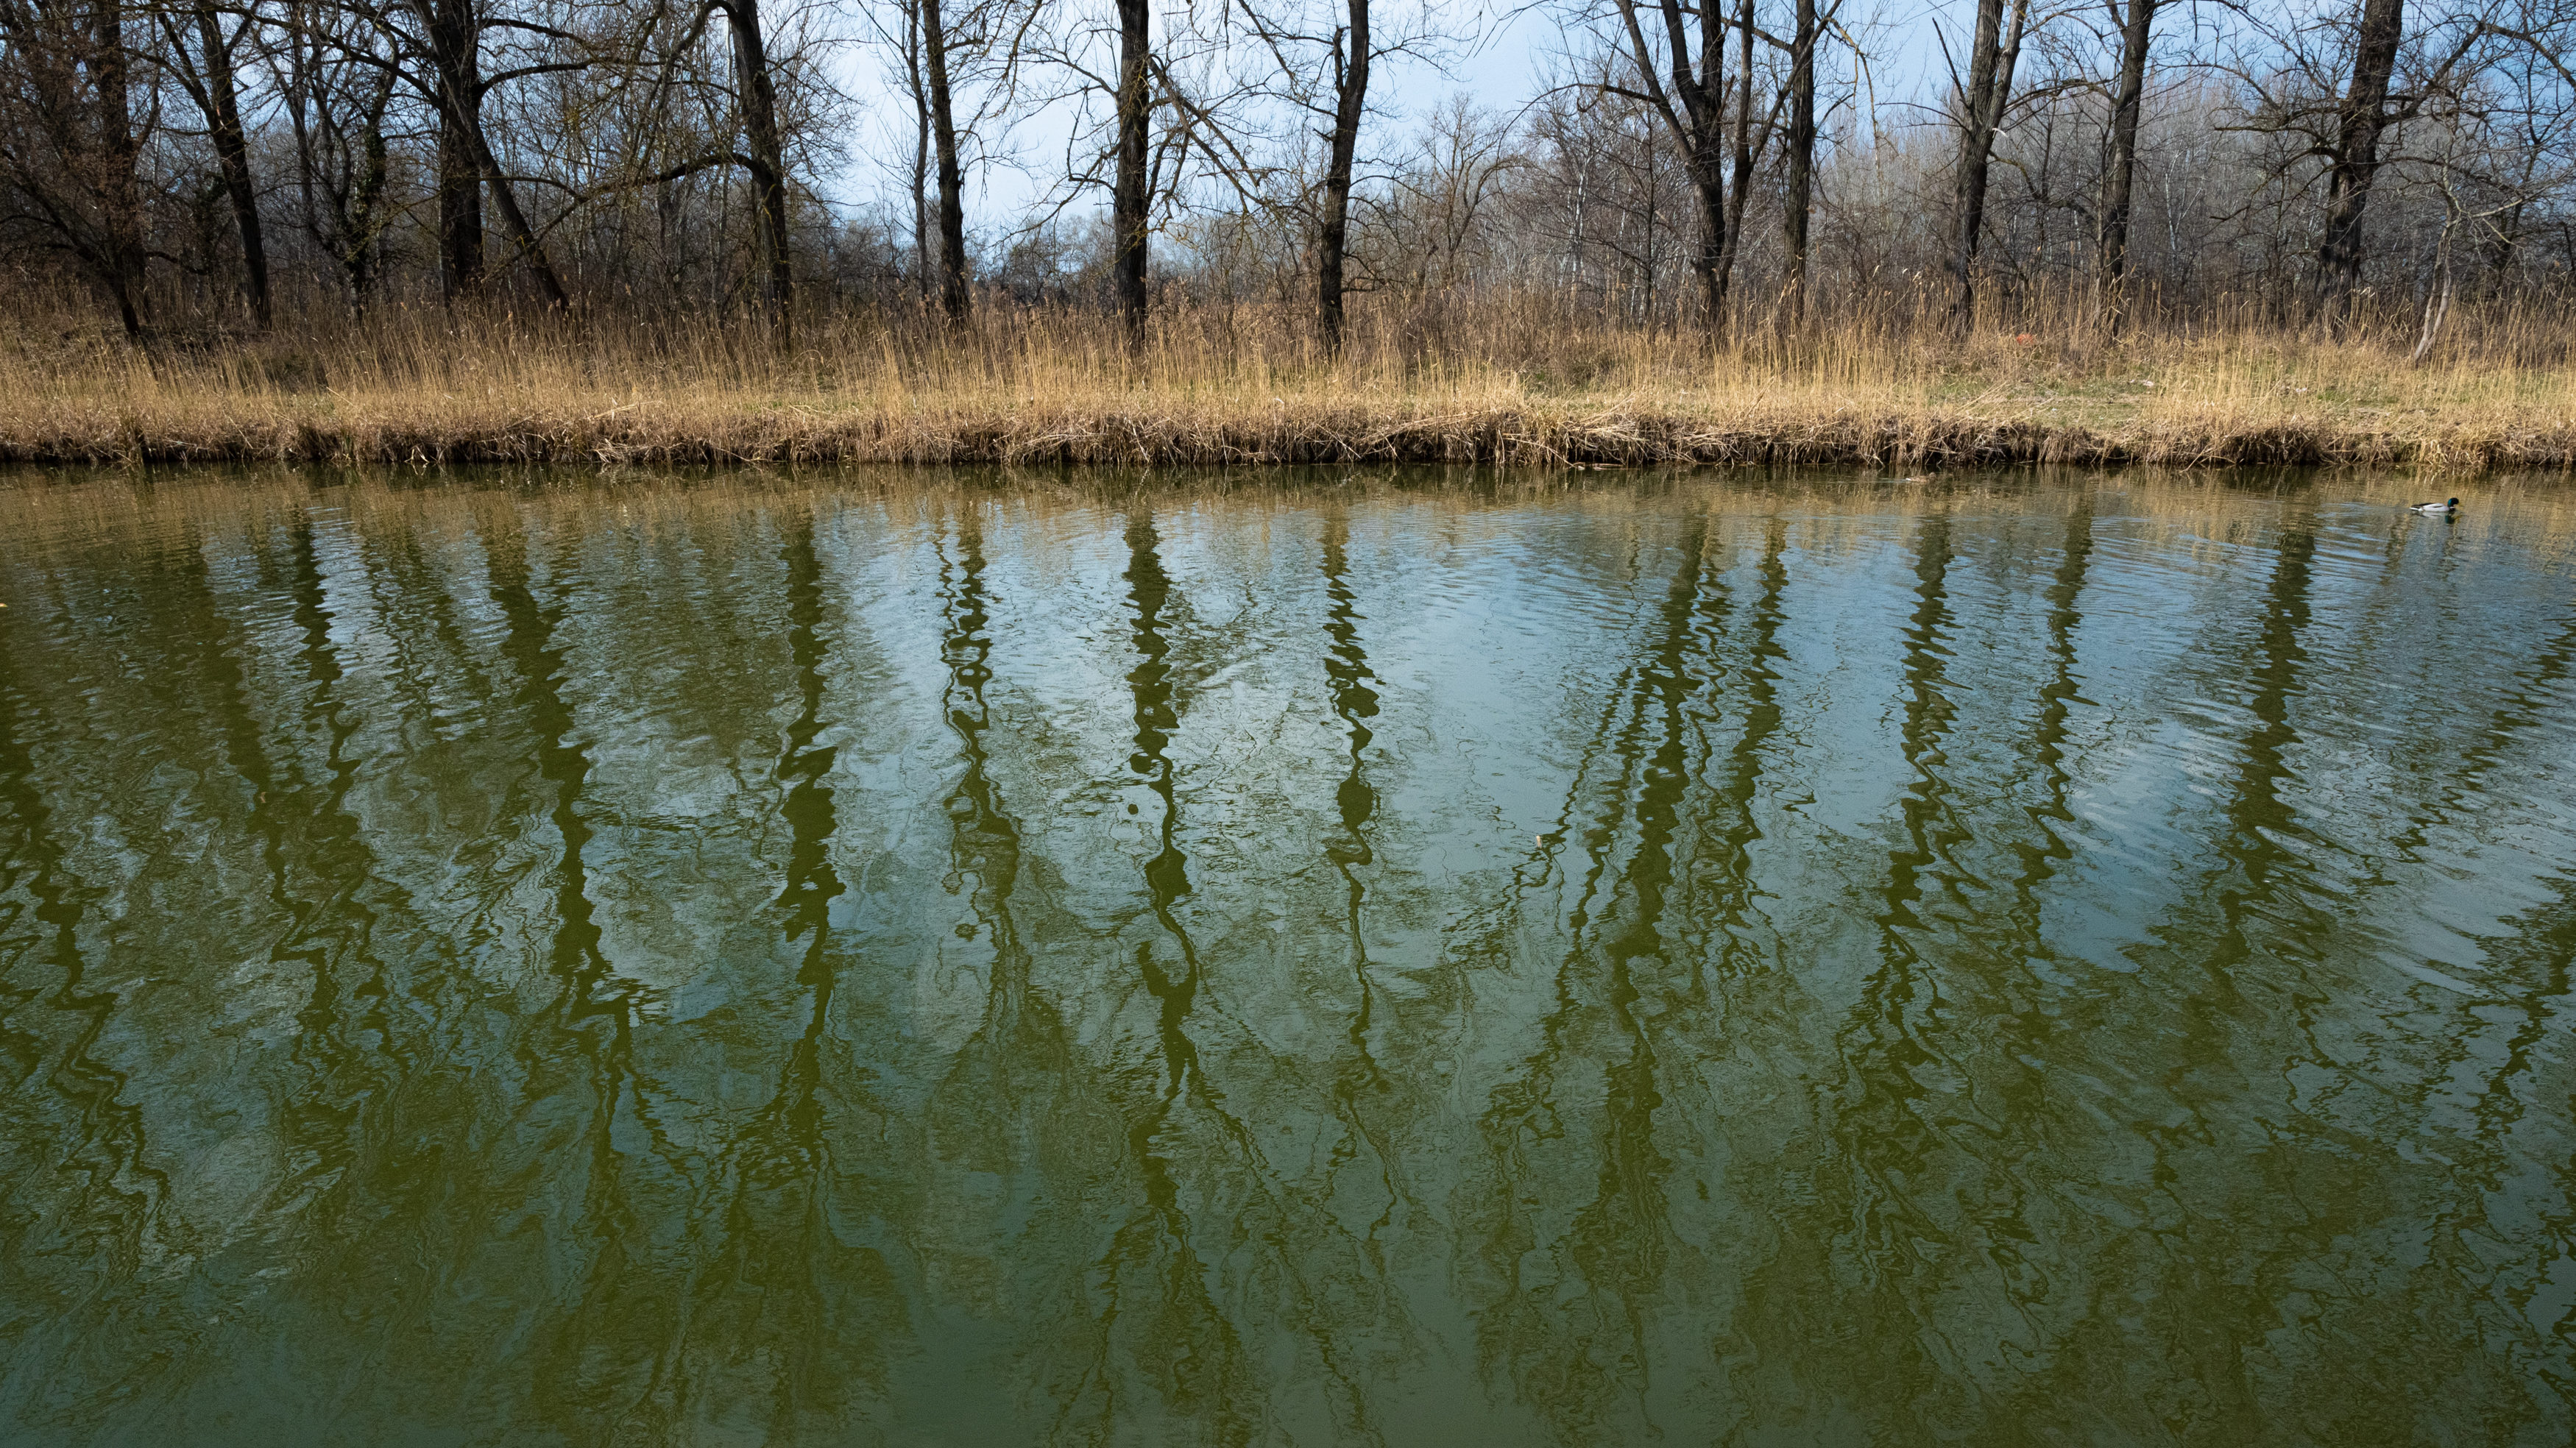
885	958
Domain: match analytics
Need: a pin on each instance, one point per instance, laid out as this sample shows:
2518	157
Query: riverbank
1042	390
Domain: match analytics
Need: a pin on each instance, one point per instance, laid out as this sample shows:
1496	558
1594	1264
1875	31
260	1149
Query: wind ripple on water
1395	959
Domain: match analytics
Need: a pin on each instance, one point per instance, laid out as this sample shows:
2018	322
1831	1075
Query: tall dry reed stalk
1514	378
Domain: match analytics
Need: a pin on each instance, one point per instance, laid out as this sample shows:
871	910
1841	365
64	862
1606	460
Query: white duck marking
2452	506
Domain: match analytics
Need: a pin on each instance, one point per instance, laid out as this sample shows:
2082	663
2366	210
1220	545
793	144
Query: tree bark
2127	100
2355	158
759	100
217	97
1802	155
522	236
1350	86
955	296
1692	103
2500	249
1748	152
119	149
921	148
1989	91
455	46
1128	204
364	225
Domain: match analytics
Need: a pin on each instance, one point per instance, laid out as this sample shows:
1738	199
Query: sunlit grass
1518	379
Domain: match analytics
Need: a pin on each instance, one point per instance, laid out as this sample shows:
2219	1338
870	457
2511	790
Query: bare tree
757	96
953	281
2128	98
1180	113
453	32
1326	54
335	109
1131	193
1800	199
2352	156
1749	142
1689	95
71	143
202	54
1351	51
2357	159
1994	51
960	66
1434	223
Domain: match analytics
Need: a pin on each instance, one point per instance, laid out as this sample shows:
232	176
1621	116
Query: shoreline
1549	435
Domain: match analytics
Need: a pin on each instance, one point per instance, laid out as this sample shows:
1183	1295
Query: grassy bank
1506	383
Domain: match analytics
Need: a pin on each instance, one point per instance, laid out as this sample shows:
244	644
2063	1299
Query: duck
2452	506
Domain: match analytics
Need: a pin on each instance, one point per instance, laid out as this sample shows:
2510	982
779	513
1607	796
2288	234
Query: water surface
889	958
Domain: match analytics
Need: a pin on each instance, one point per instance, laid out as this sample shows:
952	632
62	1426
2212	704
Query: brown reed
1515	379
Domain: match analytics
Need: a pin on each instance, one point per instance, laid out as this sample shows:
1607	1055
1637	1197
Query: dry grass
1512	381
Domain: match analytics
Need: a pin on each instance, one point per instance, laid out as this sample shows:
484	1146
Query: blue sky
1502	72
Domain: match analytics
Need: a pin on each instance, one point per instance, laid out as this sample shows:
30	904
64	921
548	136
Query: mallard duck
2451	506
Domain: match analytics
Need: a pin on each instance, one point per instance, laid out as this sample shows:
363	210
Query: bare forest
1310	183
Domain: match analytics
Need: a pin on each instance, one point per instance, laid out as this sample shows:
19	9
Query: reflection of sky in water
1785	962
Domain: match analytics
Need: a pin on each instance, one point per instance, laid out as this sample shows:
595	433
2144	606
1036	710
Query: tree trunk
2356	154
2500	248
1128	203
1714	257
1692	102
1705	106
296	93
954	294
361	236
1350	85
1748	152
222	107
121	196
2126	102
1990	68
920	175
455	44
1802	155
759	99
522	236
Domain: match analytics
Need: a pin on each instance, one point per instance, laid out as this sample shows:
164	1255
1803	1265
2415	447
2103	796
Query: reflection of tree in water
1948	1113
2538	962
332	934
2333	1180
1346	672
805	1316
1835	1205
993	1100
358	1099
1721	882
601	1354
1294	1267
437	671
1014	1101
2236	940
2231	1203
2040	858
2521	1161
2016	1220
1370	1108
383	1129
1177	1338
592	993
1021	1030
1582	1356
77	1167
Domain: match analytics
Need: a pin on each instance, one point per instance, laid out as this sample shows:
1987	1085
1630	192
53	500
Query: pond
1408	959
